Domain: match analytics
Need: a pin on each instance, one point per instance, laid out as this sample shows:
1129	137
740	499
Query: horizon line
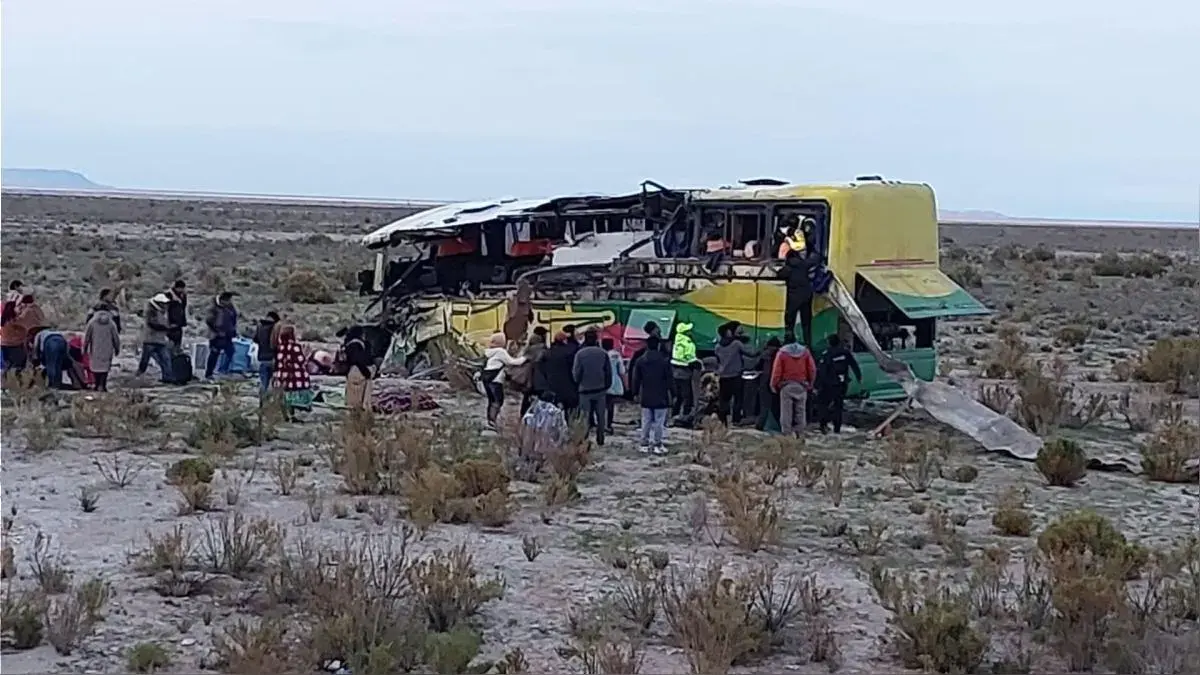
948	216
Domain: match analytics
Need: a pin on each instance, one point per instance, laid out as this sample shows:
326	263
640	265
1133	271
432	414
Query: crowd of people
84	360
669	382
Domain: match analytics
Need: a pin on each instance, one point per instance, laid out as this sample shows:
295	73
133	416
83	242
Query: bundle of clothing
389	398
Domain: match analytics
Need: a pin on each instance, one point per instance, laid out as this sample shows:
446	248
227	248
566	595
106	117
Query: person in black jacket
558	364
177	300
833	377
797	273
651	380
360	363
768	401
264	338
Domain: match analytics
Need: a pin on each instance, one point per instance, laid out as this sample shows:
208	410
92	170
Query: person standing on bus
833	377
797	277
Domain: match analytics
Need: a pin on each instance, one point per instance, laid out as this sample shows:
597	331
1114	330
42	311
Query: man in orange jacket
792	377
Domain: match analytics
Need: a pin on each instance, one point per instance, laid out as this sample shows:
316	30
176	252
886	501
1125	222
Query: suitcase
181	368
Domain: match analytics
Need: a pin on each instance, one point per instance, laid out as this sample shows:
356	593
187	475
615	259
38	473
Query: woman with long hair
360	365
291	377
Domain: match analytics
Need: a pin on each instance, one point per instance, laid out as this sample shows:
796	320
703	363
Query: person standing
535	353
359	373
572	340
559	365
106	304
833	378
177	299
768	401
155	343
492	376
617	389
797	274
265	338
101	344
683	364
290	376
25	316
731	353
651	379
792	378
593	373
222	321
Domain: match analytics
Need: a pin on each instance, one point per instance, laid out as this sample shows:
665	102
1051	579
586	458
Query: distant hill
968	214
60	179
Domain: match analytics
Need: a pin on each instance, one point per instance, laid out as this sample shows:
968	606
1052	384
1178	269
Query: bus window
745	228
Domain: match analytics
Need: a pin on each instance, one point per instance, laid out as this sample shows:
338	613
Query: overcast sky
1046	107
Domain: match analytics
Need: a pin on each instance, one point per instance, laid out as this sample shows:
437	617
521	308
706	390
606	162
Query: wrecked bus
618	262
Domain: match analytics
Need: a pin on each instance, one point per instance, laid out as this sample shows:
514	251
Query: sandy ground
628	500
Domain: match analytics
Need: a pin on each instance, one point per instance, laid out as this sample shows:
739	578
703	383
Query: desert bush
935	632
1011	518
998	397
306	286
1046	400
118	471
1073	336
93	595
965	274
1174	361
49	570
751	516
448	589
609	652
190	470
1171	454
22	618
1142	409
637	595
147	657
910	457
125	414
452	651
1089	539
709	617
1010	356
171	551
437	496
66	623
247	648
223	423
238	546
373	458
1061	462
778	456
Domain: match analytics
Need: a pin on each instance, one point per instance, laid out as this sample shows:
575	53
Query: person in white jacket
492	376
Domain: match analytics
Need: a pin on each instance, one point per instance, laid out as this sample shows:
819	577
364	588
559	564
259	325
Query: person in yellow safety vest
795	236
683	363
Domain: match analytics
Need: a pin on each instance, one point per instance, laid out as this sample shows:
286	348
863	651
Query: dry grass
751	515
1061	462
1171	454
1172	361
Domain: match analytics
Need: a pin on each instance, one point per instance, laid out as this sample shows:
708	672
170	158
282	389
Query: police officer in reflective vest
833	377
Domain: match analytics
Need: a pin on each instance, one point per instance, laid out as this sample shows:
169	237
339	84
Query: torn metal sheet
452	216
945	403
602	249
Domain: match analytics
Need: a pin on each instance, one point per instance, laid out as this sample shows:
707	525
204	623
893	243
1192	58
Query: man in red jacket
792	378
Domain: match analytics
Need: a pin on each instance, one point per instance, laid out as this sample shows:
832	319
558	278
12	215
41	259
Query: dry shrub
720	620
67	622
125	414
998	397
359	600
1047	401
778	456
1142	409
246	648
931	623
147	657
51	573
611	653
306	287
474	490
190	470
22	618
373	457
1089	539
1062	462
170	552
1174	361
1073	336
118	471
1011	518
448	590
223	423
1010	356
965	274
1146	266
194	497
751	516
238	546
1171	454
909	457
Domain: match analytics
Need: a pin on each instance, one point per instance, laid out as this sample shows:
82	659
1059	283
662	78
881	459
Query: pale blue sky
1047	108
